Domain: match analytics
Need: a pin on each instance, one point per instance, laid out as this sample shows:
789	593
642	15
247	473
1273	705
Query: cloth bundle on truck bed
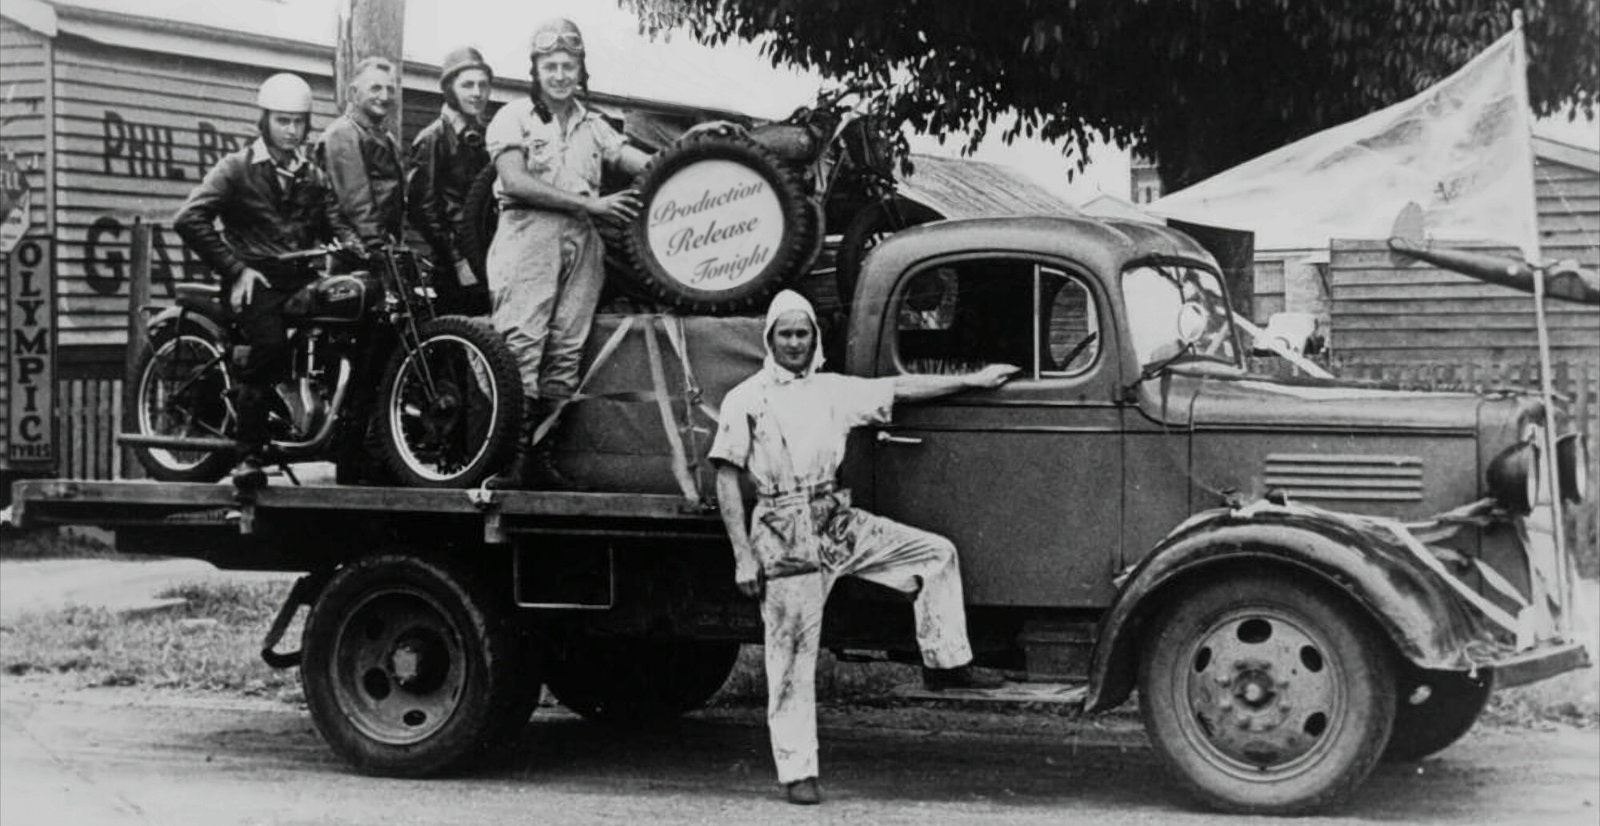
619	436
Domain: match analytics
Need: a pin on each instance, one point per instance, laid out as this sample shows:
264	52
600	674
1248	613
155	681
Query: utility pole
369	28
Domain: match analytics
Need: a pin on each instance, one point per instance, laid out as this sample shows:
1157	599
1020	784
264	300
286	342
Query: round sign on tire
724	225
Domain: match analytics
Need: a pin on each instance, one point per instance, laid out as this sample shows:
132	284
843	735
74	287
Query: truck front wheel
1265	695
637	681
410	669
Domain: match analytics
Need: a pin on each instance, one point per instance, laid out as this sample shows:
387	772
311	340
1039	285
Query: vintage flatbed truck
1300	577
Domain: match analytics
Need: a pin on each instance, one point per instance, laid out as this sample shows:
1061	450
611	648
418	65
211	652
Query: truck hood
1203	396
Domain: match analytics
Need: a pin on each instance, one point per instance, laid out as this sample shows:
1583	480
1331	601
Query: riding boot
513	475
542	471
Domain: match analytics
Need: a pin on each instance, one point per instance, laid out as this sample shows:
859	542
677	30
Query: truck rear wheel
637	681
1433	710
1265	695
410	669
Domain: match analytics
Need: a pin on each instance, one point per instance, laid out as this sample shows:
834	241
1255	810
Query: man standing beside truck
445	158
271	201
787	426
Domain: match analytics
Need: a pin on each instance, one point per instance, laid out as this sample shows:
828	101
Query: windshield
1172	303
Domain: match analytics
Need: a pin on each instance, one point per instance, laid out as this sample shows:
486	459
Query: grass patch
1572	698
58	543
212	644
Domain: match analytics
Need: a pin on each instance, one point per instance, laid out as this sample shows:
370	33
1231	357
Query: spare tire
724	225
480	215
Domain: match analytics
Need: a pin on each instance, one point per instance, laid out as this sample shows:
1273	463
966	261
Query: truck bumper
1541	663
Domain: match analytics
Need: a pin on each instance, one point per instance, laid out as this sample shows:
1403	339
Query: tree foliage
1200	85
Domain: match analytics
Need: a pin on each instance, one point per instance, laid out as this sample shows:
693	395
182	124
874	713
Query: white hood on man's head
785	302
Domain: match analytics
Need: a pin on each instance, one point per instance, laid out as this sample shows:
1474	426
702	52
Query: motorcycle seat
205	299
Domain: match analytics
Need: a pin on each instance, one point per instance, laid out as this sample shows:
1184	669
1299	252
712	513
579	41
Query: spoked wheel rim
441	416
183	392
1266	694
399	666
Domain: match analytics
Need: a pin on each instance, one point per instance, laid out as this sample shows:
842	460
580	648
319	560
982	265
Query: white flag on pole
1462	150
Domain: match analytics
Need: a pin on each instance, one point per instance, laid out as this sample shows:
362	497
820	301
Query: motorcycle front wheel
451	406
179	390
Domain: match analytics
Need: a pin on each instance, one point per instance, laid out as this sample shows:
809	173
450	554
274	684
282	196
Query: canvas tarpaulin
643	419
1462	150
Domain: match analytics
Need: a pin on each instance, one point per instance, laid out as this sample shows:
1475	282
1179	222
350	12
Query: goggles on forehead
558	41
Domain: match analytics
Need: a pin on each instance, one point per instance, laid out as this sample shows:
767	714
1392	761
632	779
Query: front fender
1428	624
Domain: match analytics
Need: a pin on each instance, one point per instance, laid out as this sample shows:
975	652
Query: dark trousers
264	363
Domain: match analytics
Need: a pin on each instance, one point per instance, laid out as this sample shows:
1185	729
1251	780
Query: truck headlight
1572	466
1513	477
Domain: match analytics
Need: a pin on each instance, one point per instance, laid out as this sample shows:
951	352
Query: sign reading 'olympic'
714	225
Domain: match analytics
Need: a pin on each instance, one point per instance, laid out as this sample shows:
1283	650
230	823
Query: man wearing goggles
544	265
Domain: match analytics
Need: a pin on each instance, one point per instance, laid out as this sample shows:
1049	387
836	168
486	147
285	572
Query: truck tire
411	669
634	681
1440	715
866	229
1265	695
772	240
179	390
455	423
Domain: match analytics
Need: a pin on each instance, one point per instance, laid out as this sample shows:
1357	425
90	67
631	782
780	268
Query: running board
1059	693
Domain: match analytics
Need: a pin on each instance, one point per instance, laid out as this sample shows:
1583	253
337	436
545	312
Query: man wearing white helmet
445	158
270	200
786	427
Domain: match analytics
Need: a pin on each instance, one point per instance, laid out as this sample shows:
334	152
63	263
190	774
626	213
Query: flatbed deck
152	505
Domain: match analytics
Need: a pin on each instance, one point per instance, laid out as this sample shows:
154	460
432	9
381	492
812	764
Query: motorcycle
448	392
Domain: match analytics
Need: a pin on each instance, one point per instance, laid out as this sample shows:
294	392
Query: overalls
545	267
806	535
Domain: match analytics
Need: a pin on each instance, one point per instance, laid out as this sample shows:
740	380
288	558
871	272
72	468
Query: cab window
955	318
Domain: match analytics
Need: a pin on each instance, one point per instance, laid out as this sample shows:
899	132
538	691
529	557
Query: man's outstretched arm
911	388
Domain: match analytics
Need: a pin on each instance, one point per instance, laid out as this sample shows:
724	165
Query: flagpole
1542	325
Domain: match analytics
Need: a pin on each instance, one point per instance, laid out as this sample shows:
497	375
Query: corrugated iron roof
962	188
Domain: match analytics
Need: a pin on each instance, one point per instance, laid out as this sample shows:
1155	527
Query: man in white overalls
786	426
545	264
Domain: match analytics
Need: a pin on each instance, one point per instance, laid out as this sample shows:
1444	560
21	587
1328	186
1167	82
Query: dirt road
131	756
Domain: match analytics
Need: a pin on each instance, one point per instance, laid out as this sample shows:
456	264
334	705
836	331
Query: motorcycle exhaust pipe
175	442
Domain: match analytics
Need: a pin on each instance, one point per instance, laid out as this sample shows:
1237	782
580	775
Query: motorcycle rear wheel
179	390
451	407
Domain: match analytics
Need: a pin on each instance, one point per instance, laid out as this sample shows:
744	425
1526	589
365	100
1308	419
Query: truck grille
1346	477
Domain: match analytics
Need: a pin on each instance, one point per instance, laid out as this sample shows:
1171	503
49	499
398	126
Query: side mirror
1298	333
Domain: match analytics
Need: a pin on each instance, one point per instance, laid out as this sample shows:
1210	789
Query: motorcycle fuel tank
336	298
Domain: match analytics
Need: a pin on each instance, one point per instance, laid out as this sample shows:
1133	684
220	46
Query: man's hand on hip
244	288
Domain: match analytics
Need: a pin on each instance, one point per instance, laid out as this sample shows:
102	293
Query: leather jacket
445	159
263	214
368	175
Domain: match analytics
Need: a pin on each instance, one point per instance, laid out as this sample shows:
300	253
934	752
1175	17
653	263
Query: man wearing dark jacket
446	157
271	200
363	159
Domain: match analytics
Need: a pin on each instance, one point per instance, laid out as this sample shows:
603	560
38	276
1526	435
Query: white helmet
284	92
